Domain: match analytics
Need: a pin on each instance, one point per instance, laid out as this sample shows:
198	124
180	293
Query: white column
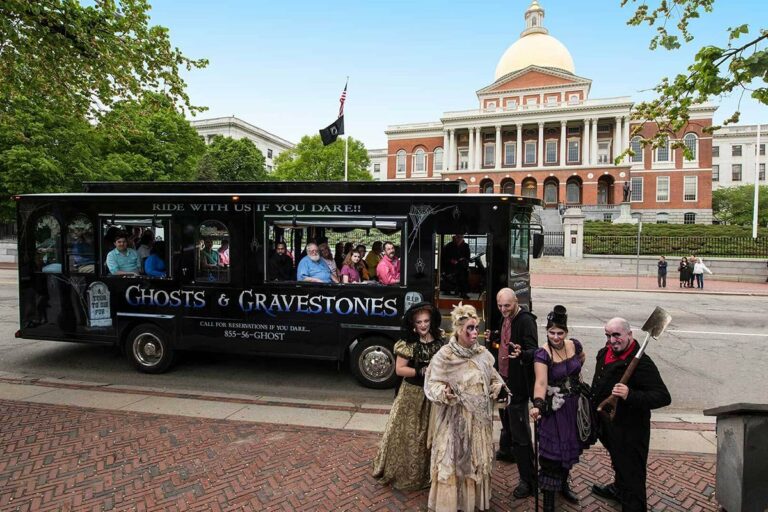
446	148
471	154
586	143
563	141
625	142
453	155
519	147
497	156
479	150
617	139
540	146
593	147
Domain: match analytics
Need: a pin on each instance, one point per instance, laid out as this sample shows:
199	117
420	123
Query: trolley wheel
148	349
372	362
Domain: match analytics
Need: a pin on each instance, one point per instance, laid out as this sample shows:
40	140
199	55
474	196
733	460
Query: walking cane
536	465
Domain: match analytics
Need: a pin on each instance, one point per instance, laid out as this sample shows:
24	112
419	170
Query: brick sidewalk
645	283
69	458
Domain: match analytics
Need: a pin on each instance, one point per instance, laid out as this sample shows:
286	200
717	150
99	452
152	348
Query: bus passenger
373	258
325	254
154	265
350	270
312	268
280	264
388	269
224	253
208	257
365	273
122	260
145	244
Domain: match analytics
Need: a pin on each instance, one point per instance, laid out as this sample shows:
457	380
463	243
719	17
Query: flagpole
757	182
346	158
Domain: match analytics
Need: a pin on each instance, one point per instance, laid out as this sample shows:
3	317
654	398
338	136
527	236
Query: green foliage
149	140
311	161
85	58
227	159
736	66
710	230
734	205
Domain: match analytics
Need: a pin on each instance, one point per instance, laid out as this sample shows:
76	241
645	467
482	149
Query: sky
282	65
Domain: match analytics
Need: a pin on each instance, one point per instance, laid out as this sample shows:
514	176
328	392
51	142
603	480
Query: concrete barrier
8	252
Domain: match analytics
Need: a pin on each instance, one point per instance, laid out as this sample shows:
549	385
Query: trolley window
81	253
48	245
212	252
127	243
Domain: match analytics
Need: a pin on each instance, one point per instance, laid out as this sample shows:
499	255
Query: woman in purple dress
555	402
349	272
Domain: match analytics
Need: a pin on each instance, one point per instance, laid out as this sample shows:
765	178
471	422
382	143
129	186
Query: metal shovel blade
657	322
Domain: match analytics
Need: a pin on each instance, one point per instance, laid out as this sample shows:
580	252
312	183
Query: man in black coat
513	346
280	265
456	264
627	437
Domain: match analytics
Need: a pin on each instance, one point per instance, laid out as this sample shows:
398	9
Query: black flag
330	133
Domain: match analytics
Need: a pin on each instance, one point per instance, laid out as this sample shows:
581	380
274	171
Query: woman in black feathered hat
403	458
556	402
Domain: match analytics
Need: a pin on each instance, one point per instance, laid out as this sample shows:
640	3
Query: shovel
653	327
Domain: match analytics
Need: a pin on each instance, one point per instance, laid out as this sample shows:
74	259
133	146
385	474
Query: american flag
343	99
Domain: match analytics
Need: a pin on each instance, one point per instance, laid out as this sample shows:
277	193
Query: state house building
536	132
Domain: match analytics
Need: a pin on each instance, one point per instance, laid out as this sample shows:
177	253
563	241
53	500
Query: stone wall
8	252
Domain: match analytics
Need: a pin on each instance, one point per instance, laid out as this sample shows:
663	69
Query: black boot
549	501
568	494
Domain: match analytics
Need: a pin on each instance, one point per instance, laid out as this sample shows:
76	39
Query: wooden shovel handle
608	406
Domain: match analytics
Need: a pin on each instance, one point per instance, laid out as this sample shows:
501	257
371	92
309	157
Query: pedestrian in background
662	272
691	262
684	270
698	272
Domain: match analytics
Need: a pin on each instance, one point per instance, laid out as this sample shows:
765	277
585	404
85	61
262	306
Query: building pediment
534	77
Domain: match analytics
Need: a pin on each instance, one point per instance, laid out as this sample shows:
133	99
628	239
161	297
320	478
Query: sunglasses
614	334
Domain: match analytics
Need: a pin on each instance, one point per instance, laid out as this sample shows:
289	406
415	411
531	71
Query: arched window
551	186
80	248
48	245
400	167
419	162
637	149
529	187
212	253
662	218
508	186
689	218
437	165
486	186
691	142
573	190
462	186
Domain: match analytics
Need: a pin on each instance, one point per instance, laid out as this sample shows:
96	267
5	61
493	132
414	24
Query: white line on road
681	331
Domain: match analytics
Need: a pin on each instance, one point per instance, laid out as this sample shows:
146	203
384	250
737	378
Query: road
713	353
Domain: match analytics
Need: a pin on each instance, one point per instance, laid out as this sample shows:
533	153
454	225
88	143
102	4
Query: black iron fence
8	231
554	243
737	247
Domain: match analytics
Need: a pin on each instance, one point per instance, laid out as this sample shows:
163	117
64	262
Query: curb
745	294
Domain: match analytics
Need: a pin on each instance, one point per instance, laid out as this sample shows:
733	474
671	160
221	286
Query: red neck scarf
610	357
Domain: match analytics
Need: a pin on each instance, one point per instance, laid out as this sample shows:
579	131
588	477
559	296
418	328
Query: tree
148	140
227	159
311	161
735	67
733	205
86	57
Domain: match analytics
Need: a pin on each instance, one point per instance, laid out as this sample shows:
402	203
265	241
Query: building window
691	142
636	194
761	172
530	152
486	187
736	150
715	150
690	188
662	218
550	192
573	191
662	188
551	150
604	152
508	186
573	99
510	153
715	172
689	218
511	105
530	103
489	154
637	149
376	168
419	161
400	167
662	152
463	158
438	160
551	101
736	172
573	151
462	186
573	130
762	149
490	106
269	153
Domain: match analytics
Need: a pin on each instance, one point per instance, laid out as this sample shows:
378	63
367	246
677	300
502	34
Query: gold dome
535	49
